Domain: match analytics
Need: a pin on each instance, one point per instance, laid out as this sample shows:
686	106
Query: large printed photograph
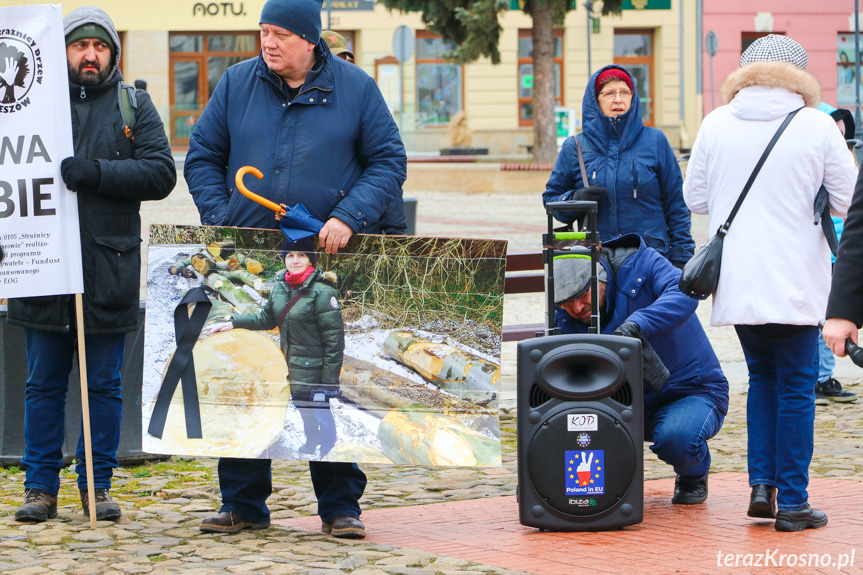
386	352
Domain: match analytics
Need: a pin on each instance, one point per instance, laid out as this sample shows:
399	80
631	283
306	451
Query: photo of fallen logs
414	389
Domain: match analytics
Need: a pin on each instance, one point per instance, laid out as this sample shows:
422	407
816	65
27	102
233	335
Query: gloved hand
80	175
628	329
589	194
654	371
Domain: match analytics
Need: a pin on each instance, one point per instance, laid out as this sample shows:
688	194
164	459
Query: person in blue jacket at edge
319	130
685	391
631	169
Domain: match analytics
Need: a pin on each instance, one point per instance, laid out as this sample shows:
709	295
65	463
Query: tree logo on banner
19	56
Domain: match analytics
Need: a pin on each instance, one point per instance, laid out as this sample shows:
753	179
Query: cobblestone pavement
163	502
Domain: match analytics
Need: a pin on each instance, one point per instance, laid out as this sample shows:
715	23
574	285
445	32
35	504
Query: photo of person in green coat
305	307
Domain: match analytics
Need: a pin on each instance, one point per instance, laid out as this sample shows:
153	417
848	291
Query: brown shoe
345	528
106	509
229	522
38	506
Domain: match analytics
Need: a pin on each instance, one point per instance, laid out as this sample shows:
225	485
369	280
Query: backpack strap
128	101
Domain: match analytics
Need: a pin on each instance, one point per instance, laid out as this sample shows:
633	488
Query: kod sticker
582	422
585	472
334	302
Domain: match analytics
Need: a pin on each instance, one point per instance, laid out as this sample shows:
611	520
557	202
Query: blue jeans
780	410
680	430
246	484
826	360
49	361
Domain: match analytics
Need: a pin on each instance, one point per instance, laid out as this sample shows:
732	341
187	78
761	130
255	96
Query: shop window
633	49
846	89
525	74
197	62
439	81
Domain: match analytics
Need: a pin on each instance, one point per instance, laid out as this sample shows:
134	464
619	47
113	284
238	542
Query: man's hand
8	76
628	329
836	330
334	235
80	174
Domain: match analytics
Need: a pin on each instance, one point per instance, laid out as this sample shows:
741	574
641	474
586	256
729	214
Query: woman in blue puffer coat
632	162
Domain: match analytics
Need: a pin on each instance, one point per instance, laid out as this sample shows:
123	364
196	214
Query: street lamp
589	6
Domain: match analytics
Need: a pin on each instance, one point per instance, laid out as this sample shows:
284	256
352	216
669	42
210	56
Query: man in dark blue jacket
638	297
319	130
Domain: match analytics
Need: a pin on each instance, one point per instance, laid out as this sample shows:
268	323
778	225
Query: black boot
689	493
799	519
833	391
762	502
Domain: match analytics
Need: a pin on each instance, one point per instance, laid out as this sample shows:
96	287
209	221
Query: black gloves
589	194
655	373
81	175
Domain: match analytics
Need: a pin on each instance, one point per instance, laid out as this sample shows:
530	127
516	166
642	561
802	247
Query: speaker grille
623	395
538	396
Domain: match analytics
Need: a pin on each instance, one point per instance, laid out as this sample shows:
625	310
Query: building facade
825	29
182	47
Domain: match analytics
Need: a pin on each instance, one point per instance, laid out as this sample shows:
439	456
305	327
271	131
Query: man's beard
89	78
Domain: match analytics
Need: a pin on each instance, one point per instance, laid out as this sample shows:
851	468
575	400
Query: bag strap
723	229
291	303
584	181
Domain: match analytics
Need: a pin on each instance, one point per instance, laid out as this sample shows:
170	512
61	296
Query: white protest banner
38	215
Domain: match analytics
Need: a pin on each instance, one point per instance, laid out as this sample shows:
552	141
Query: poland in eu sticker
585	472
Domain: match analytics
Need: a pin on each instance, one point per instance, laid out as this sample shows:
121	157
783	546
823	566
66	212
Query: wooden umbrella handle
253	196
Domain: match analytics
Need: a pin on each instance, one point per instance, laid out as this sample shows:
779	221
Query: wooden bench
525	273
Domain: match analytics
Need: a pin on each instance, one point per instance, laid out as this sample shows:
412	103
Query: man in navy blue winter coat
638	297
633	163
316	126
319	130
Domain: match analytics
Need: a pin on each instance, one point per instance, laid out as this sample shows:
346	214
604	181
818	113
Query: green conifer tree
473	27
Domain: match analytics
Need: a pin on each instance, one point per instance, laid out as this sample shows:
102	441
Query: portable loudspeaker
580	432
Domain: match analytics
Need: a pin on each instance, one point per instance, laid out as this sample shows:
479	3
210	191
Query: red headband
613	74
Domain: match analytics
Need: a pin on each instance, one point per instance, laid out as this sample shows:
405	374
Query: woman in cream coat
775	264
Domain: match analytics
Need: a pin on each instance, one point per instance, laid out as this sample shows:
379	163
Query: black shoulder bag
701	273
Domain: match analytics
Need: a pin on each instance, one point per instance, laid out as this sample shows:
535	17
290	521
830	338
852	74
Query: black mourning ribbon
182	366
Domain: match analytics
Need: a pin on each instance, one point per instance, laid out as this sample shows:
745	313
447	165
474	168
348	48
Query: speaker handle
583	207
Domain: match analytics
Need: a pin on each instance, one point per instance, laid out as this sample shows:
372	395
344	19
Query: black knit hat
305	245
302	17
92	31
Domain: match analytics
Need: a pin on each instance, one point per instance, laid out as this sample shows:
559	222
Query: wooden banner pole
85	408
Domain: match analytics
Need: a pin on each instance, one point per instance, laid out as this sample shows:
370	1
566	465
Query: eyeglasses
609	95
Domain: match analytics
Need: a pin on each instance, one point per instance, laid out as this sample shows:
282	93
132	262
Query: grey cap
775	48
572	277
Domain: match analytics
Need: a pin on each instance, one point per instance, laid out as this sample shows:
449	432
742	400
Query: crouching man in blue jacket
685	391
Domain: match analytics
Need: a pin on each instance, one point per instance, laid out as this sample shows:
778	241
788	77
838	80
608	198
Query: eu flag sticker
585	472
